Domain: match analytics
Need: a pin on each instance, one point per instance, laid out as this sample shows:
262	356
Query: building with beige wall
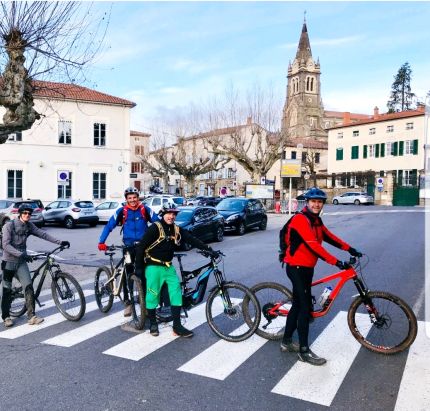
80	148
139	146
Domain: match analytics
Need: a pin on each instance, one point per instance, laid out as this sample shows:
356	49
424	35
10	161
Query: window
136	167
317	158
355	133
390	129
372	131
99	134
293	155
231	173
65	190
411	147
389	149
408	177
17	136
371	150
340	135
139	150
354	152
65	132
339	154
409	126
304	156
14	183
353	180
99	186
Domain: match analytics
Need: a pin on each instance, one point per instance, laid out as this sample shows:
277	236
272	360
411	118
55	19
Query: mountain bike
109	281
224	304
378	320
66	291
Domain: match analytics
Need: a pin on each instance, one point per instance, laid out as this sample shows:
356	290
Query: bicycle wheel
224	312
138	305
268	295
17	307
103	291
68	296
387	325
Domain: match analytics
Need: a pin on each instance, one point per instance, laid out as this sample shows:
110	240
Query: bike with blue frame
224	304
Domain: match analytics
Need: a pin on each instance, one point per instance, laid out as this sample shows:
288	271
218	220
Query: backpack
285	242
123	214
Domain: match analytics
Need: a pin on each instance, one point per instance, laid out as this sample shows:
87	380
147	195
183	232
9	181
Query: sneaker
153	330
290	347
35	320
127	310
181	331
8	322
311	358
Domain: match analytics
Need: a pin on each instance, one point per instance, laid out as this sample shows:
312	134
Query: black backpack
284	243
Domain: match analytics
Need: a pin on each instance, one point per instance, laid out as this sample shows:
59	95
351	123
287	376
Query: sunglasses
26	213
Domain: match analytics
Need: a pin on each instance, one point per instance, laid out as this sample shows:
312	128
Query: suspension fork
220	285
367	301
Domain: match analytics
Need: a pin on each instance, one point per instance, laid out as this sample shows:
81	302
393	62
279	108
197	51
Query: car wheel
240	228
68	222
219	235
357	202
335	202
263	224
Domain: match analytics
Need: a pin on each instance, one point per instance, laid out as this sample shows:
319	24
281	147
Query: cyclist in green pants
155	252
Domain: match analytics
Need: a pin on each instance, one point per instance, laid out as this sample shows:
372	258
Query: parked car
155	202
107	209
353	197
210	201
205	223
193	201
69	213
241	214
10	211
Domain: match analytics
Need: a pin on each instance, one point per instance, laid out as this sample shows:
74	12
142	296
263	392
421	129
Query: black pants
298	316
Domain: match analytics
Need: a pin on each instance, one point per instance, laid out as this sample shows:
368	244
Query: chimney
421	107
249	121
346	117
376	112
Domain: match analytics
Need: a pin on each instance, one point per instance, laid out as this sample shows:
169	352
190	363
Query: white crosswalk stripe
321	385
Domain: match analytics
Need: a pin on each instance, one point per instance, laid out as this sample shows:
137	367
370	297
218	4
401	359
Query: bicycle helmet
25	207
315	194
131	190
168	208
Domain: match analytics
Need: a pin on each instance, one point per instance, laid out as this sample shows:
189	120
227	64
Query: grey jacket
14	241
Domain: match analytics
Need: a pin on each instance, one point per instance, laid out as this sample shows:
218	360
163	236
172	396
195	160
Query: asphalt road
117	370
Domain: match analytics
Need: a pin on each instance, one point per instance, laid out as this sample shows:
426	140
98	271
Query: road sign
291	168
379	182
62	176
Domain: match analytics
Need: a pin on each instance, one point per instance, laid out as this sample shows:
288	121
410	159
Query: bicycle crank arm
39	303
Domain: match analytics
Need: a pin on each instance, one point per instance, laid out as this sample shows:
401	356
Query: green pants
156	276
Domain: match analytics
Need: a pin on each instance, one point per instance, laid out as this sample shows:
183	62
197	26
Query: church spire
304	50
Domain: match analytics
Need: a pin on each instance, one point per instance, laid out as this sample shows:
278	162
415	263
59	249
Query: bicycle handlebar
213	255
45	254
114	247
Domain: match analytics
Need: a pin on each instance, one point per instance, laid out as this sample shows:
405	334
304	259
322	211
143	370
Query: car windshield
231	204
184	215
84	204
33	205
178	200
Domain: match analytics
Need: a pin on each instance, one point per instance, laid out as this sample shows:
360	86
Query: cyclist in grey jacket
15	259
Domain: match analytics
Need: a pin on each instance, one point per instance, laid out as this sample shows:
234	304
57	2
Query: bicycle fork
363	293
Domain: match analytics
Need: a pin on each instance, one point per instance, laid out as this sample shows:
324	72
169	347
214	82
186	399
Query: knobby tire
138	305
103	293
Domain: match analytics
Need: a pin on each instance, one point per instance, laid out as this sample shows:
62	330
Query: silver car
9	211
107	209
69	213
353	197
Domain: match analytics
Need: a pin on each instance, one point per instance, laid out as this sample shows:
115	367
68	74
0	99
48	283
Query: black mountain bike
224	304
65	289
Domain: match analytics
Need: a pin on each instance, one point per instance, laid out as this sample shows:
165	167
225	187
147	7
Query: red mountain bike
380	321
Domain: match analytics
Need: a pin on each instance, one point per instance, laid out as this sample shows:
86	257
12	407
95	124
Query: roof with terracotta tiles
340	114
63	91
139	134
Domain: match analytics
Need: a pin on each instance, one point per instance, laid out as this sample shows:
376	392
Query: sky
165	56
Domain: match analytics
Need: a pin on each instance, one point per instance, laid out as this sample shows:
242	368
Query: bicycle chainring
266	311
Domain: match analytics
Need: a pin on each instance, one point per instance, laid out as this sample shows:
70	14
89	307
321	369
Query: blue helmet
315	194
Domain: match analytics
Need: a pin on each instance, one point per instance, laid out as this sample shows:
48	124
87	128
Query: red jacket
306	232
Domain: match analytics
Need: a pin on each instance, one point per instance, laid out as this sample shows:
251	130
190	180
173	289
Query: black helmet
131	190
168	208
315	194
25	207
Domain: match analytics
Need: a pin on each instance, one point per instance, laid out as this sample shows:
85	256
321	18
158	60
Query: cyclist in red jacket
304	236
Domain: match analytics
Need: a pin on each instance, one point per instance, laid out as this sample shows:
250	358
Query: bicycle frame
343	277
116	271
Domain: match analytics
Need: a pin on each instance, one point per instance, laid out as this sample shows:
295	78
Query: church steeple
304	50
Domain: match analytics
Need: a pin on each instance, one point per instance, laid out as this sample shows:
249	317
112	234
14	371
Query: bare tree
256	145
157	164
40	39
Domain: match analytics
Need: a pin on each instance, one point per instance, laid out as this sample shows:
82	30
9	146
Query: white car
155	202
106	210
354	197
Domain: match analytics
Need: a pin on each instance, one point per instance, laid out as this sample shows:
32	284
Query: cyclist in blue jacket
134	218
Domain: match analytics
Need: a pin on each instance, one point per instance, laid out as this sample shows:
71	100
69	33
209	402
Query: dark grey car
69	213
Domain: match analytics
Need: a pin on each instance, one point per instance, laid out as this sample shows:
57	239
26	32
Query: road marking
320	384
87	331
222	358
414	390
51	303
140	346
47	291
24	329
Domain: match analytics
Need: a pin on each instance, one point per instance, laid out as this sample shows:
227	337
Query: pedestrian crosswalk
221	359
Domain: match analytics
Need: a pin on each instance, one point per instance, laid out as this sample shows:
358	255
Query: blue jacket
134	227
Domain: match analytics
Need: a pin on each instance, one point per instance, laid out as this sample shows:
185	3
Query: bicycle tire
212	312
17	307
65	281
273	330
138	305
102	292
394	308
